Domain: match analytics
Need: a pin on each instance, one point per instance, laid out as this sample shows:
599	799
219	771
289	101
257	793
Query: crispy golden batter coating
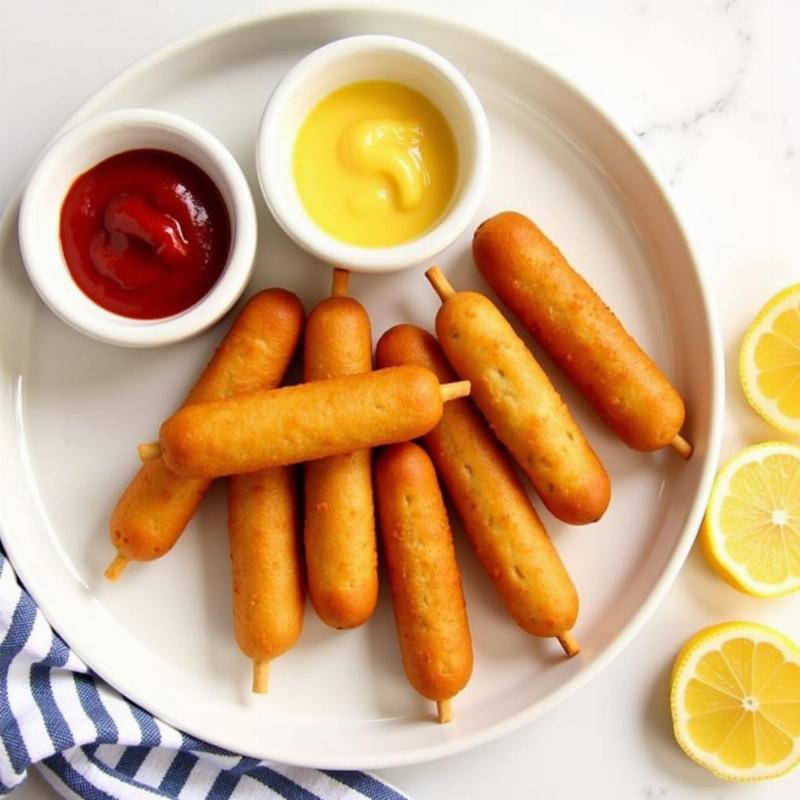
301	423
157	504
428	599
497	515
339	530
581	334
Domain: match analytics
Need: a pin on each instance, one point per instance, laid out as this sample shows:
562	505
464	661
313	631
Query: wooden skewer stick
681	446
440	283
149	451
570	645
444	711
454	390
116	567
260	677
341	277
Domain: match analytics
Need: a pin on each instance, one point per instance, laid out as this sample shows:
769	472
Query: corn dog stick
444	711
681	446
148	451
570	645
442	286
116	567
454	390
260	676
339	282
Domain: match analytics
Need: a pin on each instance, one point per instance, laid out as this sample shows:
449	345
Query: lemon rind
765	406
701	643
730	570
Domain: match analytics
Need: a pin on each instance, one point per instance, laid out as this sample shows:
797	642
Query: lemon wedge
736	701
769	361
751	531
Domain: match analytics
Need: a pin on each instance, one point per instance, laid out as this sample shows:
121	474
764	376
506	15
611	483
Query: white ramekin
372	58
85	145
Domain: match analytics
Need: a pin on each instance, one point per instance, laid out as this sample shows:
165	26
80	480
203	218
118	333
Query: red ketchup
145	233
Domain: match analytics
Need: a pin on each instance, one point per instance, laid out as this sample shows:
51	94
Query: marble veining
690	125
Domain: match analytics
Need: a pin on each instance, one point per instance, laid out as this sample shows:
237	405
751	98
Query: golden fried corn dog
302	423
581	334
424	577
522	407
268	592
339	530
157	504
494	509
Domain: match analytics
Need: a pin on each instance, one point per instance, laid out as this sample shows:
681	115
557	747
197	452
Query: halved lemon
751	530
769	361
736	701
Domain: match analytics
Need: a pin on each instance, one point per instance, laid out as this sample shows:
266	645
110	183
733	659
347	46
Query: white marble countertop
711	89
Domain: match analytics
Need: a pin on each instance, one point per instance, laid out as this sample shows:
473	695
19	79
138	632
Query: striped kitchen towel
89	742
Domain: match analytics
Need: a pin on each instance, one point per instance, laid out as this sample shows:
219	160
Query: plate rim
694	512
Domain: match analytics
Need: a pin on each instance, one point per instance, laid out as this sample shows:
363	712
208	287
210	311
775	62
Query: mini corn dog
302	423
496	513
268	592
522	407
424	577
581	334
157	504
339	530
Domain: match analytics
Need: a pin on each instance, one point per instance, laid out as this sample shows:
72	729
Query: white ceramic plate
73	410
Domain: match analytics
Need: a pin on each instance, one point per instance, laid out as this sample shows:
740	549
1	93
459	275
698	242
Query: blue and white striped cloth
89	742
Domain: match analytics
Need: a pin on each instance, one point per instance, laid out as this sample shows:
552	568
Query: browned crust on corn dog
523	408
339	529
266	564
156	506
491	502
301	423
581	334
424	577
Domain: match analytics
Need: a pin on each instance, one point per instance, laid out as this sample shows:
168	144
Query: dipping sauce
375	164
145	233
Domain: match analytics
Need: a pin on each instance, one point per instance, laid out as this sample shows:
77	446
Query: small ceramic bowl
85	145
372	58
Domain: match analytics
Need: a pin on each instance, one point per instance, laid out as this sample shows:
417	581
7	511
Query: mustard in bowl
373	153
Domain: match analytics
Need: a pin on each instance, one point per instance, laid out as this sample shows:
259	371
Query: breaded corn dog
339	529
302	423
581	334
268	591
157	504
424	577
522	407
494	509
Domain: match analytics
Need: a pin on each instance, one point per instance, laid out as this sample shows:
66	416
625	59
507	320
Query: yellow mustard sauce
375	164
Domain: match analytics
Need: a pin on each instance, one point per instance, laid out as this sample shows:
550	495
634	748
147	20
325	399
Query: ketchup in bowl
145	233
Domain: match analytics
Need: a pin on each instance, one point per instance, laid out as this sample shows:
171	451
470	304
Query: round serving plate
73	410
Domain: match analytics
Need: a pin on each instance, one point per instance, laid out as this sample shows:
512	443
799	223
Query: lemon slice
751	531
736	701
769	362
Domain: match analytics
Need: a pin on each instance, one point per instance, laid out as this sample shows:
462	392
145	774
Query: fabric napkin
90	742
